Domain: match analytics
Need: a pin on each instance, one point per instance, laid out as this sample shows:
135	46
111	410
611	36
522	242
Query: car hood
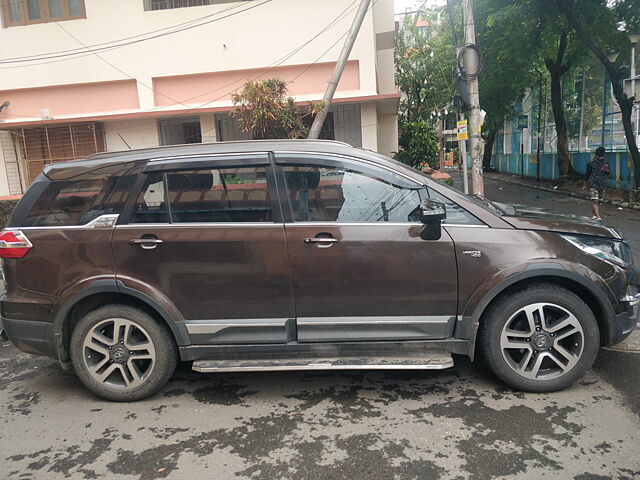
531	218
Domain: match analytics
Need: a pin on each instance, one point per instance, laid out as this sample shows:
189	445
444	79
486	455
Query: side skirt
295	350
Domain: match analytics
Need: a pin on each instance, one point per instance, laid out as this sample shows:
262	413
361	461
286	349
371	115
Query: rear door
360	269
208	237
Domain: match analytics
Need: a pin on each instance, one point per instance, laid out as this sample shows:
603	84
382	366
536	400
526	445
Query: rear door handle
322	242
146	243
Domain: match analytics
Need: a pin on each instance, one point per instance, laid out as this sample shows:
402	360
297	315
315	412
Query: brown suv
298	255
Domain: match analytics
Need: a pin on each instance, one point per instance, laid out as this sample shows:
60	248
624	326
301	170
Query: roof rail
271	140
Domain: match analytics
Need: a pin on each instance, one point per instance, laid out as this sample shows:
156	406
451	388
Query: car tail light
14	244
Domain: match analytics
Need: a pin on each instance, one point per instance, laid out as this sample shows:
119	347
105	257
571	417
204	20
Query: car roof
67	170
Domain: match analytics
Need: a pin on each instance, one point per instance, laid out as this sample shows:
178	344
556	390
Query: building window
166	4
59	143
27	12
180	131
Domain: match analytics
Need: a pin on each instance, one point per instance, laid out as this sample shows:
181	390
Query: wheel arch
102	293
593	296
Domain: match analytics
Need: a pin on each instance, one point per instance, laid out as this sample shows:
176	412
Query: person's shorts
596	195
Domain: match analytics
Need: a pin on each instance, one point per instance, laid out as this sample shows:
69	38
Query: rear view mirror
432	212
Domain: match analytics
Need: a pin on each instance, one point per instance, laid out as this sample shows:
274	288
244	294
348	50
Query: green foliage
418	143
424	61
265	110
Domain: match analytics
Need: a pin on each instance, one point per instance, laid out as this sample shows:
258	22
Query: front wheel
121	353
540	339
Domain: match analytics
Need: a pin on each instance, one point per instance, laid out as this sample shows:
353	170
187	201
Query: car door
360	269
208	238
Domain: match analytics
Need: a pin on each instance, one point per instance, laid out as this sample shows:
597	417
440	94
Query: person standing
596	180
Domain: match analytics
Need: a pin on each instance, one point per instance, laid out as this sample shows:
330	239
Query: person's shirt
597	173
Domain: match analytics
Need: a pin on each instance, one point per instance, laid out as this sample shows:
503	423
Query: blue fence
514	163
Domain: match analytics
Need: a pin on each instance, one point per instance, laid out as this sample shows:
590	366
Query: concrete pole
636	105
462	148
470	60
318	122
440	131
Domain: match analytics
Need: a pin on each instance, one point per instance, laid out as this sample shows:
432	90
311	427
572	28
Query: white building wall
369	122
253	38
137	133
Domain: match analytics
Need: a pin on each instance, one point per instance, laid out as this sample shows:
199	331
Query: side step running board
431	360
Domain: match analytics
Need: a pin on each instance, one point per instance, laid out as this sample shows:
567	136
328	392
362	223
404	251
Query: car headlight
609	249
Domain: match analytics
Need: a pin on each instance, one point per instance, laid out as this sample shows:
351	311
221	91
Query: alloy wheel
119	353
542	341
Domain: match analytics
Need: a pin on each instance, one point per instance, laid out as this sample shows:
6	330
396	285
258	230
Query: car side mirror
432	212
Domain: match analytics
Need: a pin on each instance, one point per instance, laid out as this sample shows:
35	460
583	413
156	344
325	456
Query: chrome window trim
103	222
202	224
91	225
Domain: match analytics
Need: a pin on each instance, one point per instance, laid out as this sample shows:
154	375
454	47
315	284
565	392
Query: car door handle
322	242
146	243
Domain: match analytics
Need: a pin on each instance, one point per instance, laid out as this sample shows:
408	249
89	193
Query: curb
562	191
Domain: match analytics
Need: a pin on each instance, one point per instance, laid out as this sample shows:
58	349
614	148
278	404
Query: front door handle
321	242
146	243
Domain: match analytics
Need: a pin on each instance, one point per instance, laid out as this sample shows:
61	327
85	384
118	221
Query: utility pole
318	122
471	67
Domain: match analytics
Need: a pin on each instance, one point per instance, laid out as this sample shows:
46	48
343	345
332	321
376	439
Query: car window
81	199
219	195
331	194
151	206
456	215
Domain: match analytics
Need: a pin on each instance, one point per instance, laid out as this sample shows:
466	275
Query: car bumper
29	336
626	322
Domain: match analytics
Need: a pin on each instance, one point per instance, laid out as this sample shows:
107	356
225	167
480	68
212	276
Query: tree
418	144
509	40
264	110
424	61
601	24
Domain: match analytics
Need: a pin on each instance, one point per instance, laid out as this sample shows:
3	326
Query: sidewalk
573	189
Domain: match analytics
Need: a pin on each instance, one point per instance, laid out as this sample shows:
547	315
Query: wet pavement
455	424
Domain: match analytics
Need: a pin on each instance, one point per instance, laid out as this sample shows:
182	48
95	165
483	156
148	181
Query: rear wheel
121	353
540	339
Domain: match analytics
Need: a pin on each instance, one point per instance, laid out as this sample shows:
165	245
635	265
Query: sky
401	5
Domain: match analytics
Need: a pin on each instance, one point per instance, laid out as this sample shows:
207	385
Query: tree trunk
557	68
488	147
616	75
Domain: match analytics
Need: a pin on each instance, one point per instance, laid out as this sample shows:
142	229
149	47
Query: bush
418	144
6	207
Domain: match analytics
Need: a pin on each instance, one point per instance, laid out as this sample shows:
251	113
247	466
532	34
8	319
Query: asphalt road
455	424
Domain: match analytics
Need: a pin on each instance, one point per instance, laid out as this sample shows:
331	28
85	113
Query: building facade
84	76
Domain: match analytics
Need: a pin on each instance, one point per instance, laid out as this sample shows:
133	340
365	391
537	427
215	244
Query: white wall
369	122
253	38
138	133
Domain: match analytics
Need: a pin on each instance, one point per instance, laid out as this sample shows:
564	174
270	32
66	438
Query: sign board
523	122
462	130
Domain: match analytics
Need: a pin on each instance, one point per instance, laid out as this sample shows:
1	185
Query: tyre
539	339
121	353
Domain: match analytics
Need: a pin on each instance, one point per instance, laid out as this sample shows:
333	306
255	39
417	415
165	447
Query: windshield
496	208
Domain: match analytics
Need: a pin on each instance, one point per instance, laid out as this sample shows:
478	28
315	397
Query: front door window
331	194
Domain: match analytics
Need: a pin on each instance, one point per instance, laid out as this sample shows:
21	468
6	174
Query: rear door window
212	195
79	200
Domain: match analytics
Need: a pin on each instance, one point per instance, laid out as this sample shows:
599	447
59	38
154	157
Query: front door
360	269
207	240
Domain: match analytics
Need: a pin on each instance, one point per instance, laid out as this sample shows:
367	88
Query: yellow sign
462	130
